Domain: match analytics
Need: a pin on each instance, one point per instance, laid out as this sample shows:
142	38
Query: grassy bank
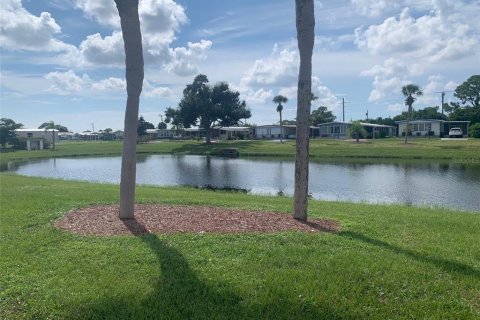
464	151
388	262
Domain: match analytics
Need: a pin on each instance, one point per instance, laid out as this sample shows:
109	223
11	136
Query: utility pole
343	109
443	97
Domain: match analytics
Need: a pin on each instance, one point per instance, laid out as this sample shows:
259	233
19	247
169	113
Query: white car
455	133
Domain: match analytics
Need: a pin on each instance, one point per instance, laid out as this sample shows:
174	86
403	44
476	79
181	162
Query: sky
63	60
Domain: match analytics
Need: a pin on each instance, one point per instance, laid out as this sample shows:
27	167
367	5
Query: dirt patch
166	219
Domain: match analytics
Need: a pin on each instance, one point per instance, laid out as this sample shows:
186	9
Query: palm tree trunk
132	37
53	138
208	135
281	128
406	128
305	20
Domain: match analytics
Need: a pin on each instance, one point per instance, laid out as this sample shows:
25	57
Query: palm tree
132	38
409	91
305	21
279	100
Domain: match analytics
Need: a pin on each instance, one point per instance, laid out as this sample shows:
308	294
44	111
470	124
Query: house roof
36	130
365	124
430	120
285	126
235	128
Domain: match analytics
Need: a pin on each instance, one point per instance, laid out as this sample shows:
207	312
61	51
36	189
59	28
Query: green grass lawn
465	151
387	262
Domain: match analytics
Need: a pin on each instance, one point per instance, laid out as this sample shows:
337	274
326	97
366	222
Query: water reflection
412	183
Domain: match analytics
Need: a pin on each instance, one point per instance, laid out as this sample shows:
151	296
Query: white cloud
374	8
325	95
65	83
289	92
389	78
102	11
434	37
161	16
261	96
279	69
110	84
447	34
20	30
96	50
152	91
69	83
160	19
183	59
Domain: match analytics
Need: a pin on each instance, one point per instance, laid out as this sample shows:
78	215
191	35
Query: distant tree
51	124
162	125
463	113
469	91
305	24
142	126
205	106
289	122
107	134
132	39
321	115
426	113
173	116
409	91
7	131
385	121
279	100
469	107
357	131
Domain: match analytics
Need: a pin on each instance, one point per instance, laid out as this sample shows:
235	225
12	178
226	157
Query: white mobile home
437	128
49	135
35	138
230	133
339	129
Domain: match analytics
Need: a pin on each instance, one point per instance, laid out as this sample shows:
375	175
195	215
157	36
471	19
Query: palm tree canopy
409	91
280	99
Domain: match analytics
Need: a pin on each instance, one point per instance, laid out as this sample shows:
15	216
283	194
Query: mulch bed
167	219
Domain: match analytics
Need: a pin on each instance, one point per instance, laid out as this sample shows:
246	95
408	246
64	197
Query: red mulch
151	218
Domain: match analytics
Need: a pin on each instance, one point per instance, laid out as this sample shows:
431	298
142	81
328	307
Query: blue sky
62	60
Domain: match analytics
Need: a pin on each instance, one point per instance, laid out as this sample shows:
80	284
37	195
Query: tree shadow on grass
180	294
444	264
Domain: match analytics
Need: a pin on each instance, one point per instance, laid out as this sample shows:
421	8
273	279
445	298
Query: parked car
455	133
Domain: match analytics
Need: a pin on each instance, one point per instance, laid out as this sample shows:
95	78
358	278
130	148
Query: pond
450	185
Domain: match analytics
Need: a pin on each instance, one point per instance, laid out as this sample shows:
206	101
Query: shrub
19	143
474	130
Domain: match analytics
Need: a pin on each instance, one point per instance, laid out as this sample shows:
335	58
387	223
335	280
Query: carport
447	125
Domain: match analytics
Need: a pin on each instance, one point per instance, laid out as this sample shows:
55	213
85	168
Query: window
415	127
421	127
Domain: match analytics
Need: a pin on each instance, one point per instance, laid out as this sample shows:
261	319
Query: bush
474	130
19	143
